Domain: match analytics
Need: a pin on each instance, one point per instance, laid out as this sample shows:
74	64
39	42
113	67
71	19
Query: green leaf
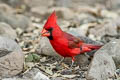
36	57
29	58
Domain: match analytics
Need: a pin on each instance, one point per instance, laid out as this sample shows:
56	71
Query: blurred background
23	20
71	13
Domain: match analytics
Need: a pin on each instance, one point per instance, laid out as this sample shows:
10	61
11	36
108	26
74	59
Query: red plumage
64	43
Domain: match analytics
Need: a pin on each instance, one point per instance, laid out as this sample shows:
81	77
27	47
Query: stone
107	28
39	10
109	14
7	31
83	18
63	3
82	30
11	58
36	3
114	5
15	21
23	22
6	8
45	48
13	3
64	24
113	49
74	3
82	60
116	21
103	66
35	74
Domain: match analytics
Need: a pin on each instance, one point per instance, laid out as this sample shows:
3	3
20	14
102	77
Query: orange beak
45	33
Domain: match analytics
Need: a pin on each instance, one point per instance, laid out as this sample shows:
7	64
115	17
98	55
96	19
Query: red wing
73	42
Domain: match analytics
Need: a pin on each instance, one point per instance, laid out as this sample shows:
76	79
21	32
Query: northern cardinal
64	43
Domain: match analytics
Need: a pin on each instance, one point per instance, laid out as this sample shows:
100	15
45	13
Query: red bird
64	43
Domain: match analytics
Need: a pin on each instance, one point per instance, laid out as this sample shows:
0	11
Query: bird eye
50	29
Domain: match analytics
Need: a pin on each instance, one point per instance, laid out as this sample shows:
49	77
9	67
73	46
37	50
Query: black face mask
50	31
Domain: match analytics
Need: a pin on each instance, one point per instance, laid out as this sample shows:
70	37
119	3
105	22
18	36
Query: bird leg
72	62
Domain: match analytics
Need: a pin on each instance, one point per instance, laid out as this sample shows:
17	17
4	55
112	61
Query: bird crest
51	21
